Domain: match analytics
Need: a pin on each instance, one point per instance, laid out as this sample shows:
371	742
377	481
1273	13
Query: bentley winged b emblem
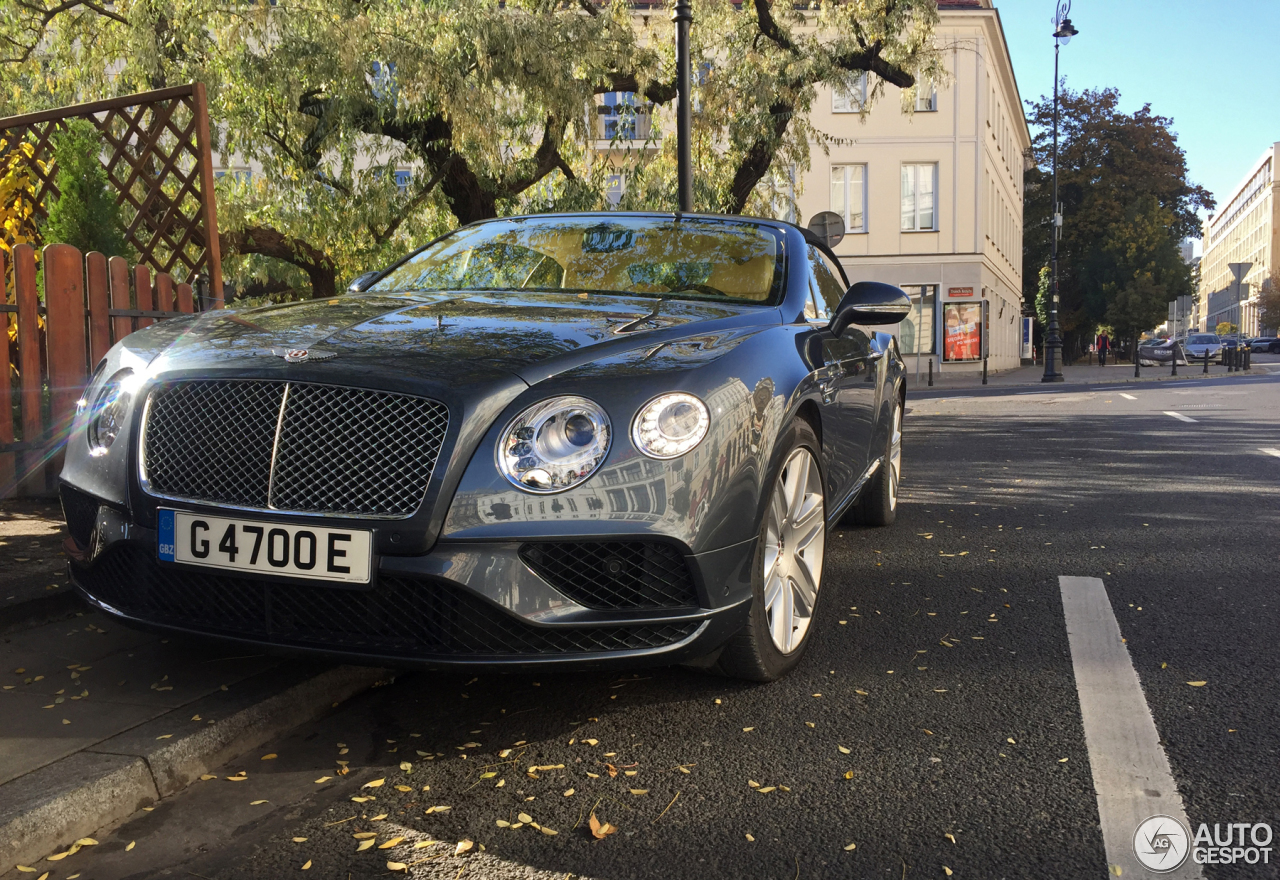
300	355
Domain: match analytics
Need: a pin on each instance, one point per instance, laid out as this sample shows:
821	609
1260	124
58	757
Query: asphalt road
934	725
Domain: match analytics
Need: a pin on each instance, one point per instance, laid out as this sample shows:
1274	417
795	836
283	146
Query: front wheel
788	567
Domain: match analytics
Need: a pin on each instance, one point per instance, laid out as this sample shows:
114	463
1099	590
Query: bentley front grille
291	446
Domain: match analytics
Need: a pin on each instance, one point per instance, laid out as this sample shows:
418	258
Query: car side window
830	288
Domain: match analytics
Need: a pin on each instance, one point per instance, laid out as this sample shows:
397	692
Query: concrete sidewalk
1079	374
101	720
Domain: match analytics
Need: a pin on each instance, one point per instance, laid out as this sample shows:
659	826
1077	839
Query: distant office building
1246	229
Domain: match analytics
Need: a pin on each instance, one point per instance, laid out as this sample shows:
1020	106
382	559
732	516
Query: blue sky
1208	64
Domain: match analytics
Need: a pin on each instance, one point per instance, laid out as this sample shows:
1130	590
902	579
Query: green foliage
1044	290
85	213
1268	304
1225	328
482	100
1127	204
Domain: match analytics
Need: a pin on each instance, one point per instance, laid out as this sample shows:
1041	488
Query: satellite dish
828	227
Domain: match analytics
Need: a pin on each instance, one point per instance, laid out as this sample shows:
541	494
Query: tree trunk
272	243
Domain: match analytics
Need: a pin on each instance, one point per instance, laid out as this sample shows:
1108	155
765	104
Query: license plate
236	544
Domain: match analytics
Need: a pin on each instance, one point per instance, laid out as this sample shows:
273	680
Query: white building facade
1246	229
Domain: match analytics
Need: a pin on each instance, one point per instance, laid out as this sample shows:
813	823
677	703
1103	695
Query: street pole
1063	31
683	17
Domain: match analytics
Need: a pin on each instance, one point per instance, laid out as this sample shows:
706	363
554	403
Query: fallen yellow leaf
843	750
766	789
397	866
395	841
255	803
307	866
318	781
299	840
639	791
601	830
131	845
374	783
364	835
463	846
568	792
366	844
1197	684
524	818
851	847
270	757
949	836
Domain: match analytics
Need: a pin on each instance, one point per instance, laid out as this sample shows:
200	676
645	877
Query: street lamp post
682	15
1062	34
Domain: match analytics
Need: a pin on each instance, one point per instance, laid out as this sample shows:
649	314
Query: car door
847	380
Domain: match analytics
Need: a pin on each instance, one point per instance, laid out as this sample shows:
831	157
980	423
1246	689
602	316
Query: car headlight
554	445
109	410
670	426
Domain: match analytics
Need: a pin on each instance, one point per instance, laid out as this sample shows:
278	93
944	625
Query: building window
622	116
614	185
919	206
403	177
850	97
781	193
849	195
915	331
926	96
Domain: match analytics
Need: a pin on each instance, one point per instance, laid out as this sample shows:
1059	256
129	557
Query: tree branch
271	242
658	93
769	27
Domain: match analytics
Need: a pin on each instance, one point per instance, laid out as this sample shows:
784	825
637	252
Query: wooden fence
159	162
90	302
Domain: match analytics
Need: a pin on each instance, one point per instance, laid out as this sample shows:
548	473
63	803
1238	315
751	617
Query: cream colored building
933	199
1246	229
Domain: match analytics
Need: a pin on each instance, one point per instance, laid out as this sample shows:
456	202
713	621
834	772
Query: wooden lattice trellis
159	161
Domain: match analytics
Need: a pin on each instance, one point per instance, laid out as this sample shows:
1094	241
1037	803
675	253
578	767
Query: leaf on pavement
568	792
438	809
307	866
851	847
591	742
848	774
393	842
398	866
462	847
86	841
406	766
747	729
524	818
379	817
299	840
364	835
613	771
767	789
131	845
404	788
256	803
269	757
207	776
601	830
361	800
502	823
548	831
366	844
1197	684
638	791
374	783
323	779
751	837
861	692
946	870
949	836
489	775
844	750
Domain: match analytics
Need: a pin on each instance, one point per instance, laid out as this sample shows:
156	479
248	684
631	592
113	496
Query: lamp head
1065	31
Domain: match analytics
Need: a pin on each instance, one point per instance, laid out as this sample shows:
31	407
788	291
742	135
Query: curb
52	807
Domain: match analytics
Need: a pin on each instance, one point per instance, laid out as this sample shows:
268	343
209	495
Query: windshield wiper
632	326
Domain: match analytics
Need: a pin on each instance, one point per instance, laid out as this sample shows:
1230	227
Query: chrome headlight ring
670	425
554	444
109	410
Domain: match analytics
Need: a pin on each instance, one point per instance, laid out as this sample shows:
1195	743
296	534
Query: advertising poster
962	331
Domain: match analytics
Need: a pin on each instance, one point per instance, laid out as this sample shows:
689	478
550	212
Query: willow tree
487	102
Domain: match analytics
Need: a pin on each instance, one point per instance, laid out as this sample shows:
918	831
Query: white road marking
1127	396
1180	416
1269	451
1131	774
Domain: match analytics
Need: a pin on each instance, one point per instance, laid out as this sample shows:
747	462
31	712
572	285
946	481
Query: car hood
445	336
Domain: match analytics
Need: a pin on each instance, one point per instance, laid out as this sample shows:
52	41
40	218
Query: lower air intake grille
614	574
81	513
401	617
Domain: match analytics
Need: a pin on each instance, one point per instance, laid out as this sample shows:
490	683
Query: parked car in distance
1269	344
1197	344
1160	352
596	439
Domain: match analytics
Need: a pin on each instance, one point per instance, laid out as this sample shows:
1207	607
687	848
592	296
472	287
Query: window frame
860	100
931	97
848	202
915	196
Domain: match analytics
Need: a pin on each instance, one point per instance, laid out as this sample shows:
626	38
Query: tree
1126	203
85	213
1268	303
1225	328
483	99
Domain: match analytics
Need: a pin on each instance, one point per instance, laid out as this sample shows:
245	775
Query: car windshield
685	258
1204	339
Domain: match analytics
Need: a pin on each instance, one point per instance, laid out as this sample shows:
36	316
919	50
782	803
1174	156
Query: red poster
962	331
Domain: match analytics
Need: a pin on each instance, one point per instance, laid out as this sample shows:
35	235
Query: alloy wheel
795	538
895	457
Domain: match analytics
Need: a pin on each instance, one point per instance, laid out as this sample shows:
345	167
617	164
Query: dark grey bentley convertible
588	439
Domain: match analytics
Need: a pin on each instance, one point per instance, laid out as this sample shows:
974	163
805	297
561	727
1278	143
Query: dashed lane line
1127	396
1180	416
1131	774
1269	451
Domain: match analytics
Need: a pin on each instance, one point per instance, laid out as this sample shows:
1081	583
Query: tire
878	503
787	579
1274	348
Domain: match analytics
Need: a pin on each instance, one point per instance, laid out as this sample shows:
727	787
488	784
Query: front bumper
466	604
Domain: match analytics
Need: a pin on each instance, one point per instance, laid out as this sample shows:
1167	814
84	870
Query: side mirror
870	302
361	282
